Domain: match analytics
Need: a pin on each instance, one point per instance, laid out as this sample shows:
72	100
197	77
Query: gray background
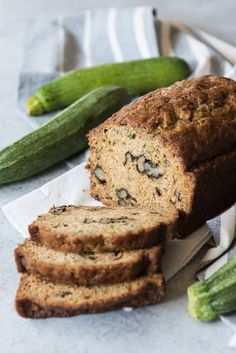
163	328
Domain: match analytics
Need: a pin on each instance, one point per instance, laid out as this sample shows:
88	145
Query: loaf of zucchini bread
175	146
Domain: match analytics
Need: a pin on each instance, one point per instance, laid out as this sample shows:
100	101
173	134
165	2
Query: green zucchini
139	77
215	296
62	136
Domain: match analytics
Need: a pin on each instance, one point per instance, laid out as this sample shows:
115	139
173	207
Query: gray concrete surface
164	328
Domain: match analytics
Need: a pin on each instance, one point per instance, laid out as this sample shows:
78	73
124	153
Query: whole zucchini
62	136
138	77
215	296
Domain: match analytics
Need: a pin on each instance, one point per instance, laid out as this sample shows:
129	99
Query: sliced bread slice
86	269
98	229
39	298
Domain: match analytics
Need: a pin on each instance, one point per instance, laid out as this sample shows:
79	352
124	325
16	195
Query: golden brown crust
88	272
150	293
195	118
199	142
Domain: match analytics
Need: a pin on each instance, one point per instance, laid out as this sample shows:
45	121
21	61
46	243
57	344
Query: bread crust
146	262
151	293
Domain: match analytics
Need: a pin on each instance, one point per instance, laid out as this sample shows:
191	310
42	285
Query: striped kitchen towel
98	36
